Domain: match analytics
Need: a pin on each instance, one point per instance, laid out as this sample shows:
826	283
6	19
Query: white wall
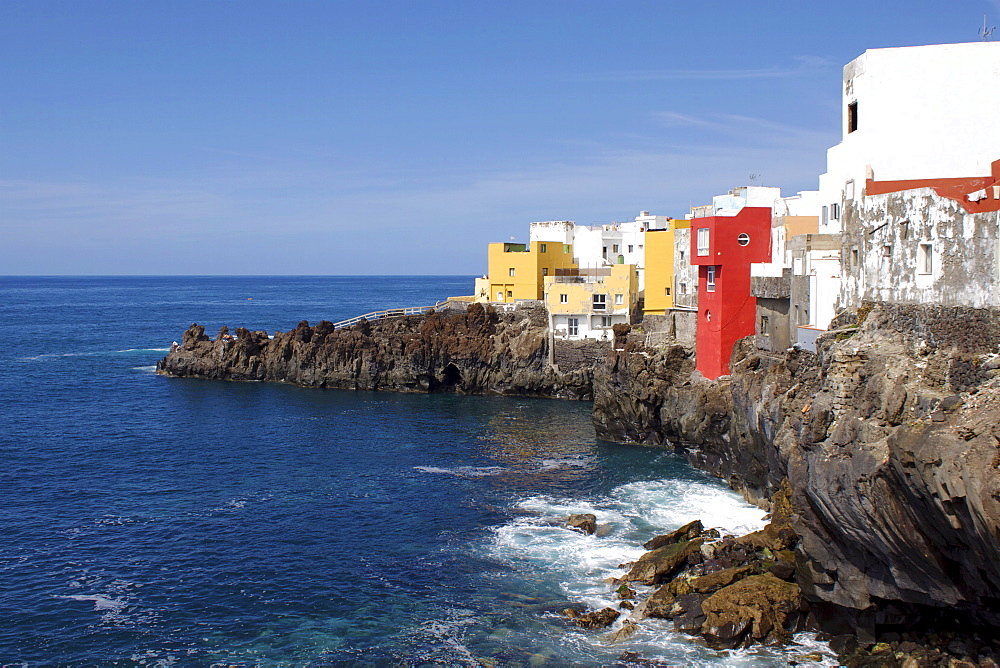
823	268
923	112
587	248
555	231
589	327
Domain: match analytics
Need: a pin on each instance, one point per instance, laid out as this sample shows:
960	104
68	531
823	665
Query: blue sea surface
146	520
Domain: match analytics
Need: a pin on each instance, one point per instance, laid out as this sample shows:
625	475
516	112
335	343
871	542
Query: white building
554	231
917	112
914	185
600	246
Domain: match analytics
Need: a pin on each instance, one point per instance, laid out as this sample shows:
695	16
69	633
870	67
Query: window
510	294
542	248
708	315
852	117
743	239
887	251
600	302
499	296
702	241
765	326
630	248
854	257
682	255
605	321
573	326
834	212
925	259
666	292
710	280
511	271
824	216
614	248
567	248
604	249
619	300
805	317
545	271
684	288
563	298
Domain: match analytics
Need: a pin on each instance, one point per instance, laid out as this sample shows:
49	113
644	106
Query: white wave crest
463	471
101	603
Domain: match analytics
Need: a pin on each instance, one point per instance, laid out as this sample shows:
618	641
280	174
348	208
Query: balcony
565	276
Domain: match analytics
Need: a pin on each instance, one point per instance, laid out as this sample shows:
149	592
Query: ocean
155	521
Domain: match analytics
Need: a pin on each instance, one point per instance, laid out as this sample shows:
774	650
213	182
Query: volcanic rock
584	522
598	619
689	531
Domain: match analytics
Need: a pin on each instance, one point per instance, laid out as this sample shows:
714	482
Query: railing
390	313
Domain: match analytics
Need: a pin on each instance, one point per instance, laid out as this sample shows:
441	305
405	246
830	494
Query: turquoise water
157	521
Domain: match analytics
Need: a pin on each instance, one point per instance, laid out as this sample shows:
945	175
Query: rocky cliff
477	351
888	436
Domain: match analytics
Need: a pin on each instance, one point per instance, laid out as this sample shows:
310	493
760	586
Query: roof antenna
985	33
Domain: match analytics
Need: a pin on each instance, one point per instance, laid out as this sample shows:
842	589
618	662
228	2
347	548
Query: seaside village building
726	238
517	271
797	290
914	185
907	211
590	278
587	303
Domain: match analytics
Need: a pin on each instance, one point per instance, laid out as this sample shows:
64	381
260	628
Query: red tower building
724	247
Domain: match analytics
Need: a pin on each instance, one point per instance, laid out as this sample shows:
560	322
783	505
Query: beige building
586	303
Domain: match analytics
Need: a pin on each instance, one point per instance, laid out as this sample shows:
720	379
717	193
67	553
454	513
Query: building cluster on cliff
907	211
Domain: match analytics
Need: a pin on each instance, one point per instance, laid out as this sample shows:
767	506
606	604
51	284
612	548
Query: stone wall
576	355
967	330
882	241
771	287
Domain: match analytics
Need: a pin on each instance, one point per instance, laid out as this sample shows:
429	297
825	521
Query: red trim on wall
955	189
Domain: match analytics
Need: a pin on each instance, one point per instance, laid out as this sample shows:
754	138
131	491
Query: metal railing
390	313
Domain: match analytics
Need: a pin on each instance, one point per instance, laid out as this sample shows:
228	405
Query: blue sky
288	137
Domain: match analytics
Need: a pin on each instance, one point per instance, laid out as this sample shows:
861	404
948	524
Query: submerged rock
584	522
598	619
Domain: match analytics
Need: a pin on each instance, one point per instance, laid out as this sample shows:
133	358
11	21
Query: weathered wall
882	238
777	338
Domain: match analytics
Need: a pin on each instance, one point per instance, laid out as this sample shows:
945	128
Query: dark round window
744	239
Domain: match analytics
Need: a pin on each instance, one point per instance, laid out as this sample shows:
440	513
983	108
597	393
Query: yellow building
663	260
586	303
518	271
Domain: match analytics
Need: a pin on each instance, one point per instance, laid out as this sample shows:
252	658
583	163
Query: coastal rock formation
473	351
723	589
888	438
